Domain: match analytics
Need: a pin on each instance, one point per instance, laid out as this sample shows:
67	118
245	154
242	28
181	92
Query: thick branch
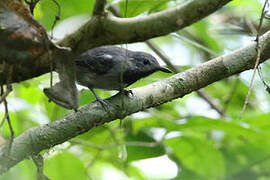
114	30
92	115
105	30
200	93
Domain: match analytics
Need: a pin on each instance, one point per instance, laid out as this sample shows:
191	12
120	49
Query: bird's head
146	63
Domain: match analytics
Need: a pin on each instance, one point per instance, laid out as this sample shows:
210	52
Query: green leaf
135	173
136	7
25	170
247	7
261	121
198	155
232	94
200	124
32	94
139	147
65	166
242	156
48	10
187	174
87	96
201	32
231	128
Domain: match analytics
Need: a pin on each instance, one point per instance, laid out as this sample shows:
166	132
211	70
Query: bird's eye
145	62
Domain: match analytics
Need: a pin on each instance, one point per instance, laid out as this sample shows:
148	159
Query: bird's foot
105	104
127	92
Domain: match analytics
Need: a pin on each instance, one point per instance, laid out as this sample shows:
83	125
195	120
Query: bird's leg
104	103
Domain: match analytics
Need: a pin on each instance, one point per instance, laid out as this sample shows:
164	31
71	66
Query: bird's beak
163	69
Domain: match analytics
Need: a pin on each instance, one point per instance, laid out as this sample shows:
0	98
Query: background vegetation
183	139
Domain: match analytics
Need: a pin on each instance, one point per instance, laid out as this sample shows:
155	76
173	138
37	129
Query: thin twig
5	116
262	79
258	48
9	125
57	17
194	43
126	8
251	26
210	102
167	61
4	95
51	67
8	120
124	66
162	56
99	7
108	146
32	4
8	87
39	162
3	120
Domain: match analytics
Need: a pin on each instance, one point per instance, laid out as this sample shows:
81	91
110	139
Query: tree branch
108	29
114	30
99	7
43	137
200	93
168	62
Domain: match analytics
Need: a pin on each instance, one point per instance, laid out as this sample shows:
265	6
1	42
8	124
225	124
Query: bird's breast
106	81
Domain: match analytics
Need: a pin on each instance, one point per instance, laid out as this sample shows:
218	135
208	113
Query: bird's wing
95	62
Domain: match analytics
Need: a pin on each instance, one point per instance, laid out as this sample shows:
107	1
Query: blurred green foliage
202	144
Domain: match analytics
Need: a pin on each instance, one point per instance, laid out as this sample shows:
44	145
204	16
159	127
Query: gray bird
114	68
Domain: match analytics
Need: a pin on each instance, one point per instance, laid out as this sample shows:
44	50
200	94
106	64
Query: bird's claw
105	104
127	92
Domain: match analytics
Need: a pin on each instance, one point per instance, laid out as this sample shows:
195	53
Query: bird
113	68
